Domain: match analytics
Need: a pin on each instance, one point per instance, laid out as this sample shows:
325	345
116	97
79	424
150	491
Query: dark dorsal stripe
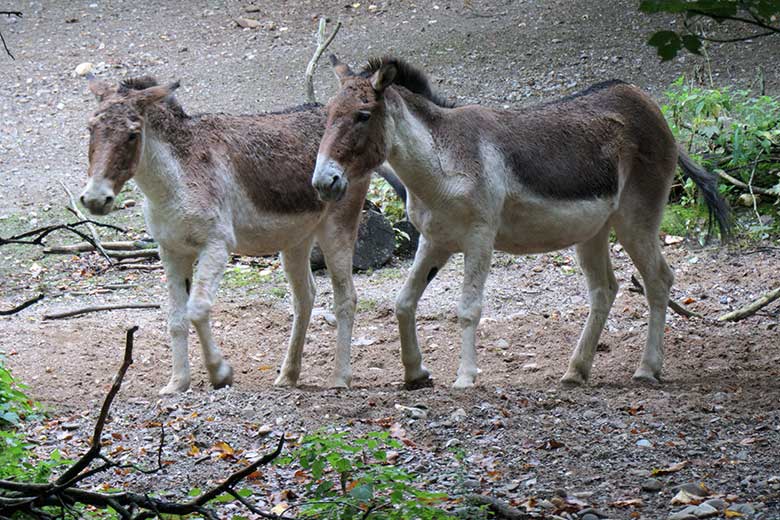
408	77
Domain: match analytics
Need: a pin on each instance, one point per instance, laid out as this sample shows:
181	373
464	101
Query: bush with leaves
761	16
350	479
16	458
384	196
730	132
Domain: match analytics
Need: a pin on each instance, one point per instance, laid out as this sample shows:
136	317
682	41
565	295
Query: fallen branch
500	510
738	183
322	44
86	247
18	14
28	499
40	234
143	253
140	267
676	307
73	208
23	306
98	308
753	307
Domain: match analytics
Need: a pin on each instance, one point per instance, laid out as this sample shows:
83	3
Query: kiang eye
132	137
363	116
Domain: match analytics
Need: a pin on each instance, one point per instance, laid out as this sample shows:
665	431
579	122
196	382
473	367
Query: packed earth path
517	436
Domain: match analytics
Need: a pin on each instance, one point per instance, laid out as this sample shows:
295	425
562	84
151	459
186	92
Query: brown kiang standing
523	181
218	184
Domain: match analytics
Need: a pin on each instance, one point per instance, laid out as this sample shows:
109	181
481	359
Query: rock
683	514
374	246
248	23
748	200
589	516
406	247
129	203
82	69
705	511
644	443
744	509
417	411
471	483
375	243
458	415
717	503
652	485
530	367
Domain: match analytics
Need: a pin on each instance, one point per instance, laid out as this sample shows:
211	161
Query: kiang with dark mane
536	179
217	184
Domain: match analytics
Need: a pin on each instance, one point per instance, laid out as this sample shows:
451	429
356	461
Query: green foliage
762	15
384	196
727	131
353	479
14	404
16	459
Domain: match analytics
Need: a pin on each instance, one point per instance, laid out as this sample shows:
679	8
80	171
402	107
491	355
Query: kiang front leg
427	262
476	268
211	266
297	267
178	272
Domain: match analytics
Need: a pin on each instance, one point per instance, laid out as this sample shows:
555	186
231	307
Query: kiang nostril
83	201
109	200
335	180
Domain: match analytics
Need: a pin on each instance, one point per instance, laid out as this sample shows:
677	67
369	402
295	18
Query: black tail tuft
708	185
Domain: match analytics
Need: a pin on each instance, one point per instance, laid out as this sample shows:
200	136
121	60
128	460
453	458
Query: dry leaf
630	502
674	468
684	498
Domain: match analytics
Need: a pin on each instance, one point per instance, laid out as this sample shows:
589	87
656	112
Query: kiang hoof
339	383
573	380
646	378
425	381
464	383
286	381
174	387
224	378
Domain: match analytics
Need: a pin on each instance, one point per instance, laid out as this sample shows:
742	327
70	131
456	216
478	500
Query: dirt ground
525	437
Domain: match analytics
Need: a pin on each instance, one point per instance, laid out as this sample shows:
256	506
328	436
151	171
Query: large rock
406	247
374	246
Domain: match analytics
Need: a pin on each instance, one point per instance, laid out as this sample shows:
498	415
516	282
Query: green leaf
363	492
668	44
692	43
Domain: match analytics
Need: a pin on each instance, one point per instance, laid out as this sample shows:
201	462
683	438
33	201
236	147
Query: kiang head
116	137
355	139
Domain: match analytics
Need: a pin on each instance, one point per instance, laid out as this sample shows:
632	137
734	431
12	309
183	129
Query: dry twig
676	307
28	499
86	247
98	308
18	14
22	306
73	208
322	44
753	307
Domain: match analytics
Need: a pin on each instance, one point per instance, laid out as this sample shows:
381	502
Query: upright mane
407	76
144	82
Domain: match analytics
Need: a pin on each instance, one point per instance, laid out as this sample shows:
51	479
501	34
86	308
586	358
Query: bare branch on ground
676	307
98	308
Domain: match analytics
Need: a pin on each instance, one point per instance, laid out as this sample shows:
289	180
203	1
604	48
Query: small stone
248	23
644	443
458	415
652	485
683	514
589	516
129	203
717	503
471	483
82	69
745	509
502	344
531	367
705	511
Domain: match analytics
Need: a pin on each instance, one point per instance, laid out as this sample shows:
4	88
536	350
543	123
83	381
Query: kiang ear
100	88
154	94
341	70
384	77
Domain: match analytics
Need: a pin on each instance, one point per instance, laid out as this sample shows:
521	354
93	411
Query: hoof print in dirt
408	238
373	248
